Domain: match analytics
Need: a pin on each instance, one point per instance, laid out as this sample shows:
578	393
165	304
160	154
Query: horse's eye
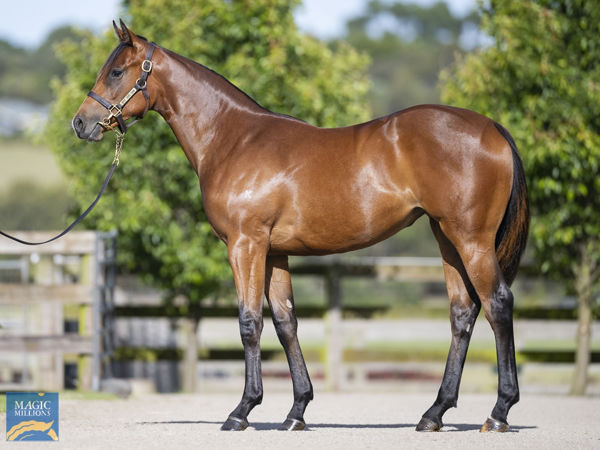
116	73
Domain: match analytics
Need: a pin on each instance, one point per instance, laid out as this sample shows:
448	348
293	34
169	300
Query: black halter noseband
116	110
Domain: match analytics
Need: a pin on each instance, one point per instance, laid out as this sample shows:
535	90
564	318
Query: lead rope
118	147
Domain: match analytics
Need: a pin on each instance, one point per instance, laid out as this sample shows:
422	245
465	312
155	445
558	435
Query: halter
116	110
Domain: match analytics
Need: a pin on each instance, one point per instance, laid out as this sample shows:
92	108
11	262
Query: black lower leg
499	314
286	326
250	330
462	321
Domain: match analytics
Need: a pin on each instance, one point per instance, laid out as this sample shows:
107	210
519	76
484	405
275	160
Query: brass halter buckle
147	66
113	111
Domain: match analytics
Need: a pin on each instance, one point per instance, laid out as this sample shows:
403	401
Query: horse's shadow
266	426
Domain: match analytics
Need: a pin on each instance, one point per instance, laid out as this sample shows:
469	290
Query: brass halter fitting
120	137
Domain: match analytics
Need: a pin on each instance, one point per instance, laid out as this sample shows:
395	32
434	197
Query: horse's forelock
111	58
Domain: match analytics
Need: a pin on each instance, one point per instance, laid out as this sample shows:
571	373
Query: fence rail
77	274
31	293
44	290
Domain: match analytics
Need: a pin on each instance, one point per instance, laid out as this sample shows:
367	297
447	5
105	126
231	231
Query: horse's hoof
428	425
292	425
234	424
493	425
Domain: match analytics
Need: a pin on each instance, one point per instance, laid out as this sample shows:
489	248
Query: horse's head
112	100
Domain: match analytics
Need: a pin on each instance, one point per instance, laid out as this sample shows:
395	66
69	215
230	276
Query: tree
409	44
27	74
540	79
154	200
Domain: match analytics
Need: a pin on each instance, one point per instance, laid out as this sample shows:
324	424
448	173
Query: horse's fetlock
257	400
512	397
446	402
304	396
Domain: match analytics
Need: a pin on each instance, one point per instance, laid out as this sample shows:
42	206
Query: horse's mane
202	67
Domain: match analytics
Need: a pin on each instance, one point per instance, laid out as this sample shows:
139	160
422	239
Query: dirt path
336	421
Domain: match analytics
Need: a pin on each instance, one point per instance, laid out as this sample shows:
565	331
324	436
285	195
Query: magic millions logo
31	416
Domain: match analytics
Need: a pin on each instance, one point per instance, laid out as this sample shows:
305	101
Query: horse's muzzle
86	129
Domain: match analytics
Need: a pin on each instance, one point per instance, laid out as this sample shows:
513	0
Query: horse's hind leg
464	308
279	294
478	254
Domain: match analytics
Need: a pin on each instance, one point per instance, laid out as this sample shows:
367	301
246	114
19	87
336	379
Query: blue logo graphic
32	416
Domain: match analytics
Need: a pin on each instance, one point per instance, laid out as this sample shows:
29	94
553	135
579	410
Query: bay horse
274	186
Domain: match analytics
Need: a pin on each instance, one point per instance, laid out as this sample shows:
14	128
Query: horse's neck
203	109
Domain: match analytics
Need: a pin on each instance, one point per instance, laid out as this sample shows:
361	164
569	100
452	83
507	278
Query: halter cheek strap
115	110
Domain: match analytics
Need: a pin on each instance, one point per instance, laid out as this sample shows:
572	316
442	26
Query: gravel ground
335	421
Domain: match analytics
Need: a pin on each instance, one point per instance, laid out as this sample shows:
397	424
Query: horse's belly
331	230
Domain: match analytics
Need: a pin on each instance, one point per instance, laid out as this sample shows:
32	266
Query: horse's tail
511	238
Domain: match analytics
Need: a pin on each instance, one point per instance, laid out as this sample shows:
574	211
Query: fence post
189	366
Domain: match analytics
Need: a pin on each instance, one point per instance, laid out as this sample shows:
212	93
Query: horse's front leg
248	258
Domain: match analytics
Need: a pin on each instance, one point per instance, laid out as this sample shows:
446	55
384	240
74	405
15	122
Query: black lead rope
115	163
79	219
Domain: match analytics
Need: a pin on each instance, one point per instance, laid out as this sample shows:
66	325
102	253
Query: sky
26	23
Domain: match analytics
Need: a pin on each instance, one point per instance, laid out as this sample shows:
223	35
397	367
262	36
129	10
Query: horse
273	186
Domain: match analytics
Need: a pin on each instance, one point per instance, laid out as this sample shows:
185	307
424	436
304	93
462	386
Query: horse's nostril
78	124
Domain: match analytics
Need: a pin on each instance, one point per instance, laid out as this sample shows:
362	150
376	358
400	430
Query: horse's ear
117	31
125	36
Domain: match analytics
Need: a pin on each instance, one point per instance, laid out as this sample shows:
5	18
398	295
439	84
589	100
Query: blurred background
145	294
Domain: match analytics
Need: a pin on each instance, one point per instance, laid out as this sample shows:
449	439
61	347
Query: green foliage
154	198
409	45
27	74
540	79
256	45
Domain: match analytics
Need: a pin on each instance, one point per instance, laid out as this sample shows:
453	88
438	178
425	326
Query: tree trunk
190	354
584	281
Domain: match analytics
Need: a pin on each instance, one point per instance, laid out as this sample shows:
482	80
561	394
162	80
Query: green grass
23	160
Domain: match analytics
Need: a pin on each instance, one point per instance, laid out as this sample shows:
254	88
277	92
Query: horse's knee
463	316
250	328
